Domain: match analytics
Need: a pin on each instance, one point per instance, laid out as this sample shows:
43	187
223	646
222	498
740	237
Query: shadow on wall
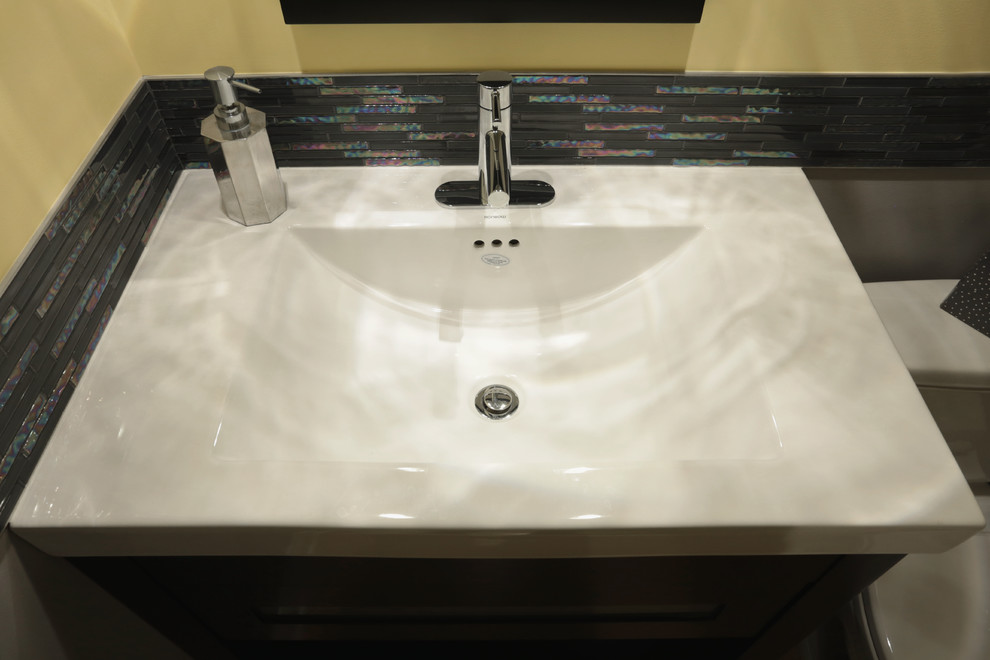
907	223
844	36
251	36
528	47
767	36
246	34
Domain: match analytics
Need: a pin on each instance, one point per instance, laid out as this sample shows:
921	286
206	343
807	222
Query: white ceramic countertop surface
140	462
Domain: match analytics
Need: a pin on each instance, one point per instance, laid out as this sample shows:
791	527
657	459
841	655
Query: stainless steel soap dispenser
240	153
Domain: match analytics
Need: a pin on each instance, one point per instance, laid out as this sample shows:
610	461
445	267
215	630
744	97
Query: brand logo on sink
495	259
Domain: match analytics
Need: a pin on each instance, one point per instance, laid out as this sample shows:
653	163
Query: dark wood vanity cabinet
749	607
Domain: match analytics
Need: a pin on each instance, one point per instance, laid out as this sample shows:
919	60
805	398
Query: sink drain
496	401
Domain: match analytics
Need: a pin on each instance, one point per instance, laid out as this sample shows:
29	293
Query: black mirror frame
310	12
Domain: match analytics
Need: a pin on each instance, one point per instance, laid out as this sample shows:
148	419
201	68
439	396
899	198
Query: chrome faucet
494	129
495	187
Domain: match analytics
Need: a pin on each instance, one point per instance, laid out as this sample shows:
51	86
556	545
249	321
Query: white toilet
936	606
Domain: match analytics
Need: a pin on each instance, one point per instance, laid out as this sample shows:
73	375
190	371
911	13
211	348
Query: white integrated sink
494	276
698	368
615	330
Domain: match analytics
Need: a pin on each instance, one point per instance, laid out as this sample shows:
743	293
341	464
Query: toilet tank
949	361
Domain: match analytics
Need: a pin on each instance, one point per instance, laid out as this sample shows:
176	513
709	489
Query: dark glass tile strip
57	305
809	116
27	427
14	377
8	319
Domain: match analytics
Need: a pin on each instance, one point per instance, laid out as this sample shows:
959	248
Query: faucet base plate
457	194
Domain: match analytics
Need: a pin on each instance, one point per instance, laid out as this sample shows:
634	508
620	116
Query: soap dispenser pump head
230	113
222	84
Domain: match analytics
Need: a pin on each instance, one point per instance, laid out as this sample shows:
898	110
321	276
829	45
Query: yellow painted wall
843	36
76	60
57	95
734	35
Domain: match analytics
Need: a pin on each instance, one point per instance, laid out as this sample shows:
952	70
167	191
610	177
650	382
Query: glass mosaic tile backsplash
54	311
855	121
57	305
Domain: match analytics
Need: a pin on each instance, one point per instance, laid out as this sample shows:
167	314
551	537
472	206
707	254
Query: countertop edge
481	544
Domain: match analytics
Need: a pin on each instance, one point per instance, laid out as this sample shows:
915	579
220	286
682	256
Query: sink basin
616	328
492	276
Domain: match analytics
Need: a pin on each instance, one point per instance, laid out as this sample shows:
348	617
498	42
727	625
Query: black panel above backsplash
797	120
506	11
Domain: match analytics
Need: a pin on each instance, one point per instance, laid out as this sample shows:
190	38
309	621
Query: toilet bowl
933	606
937	606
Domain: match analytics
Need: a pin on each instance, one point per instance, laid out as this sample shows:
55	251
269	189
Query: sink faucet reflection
495	187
